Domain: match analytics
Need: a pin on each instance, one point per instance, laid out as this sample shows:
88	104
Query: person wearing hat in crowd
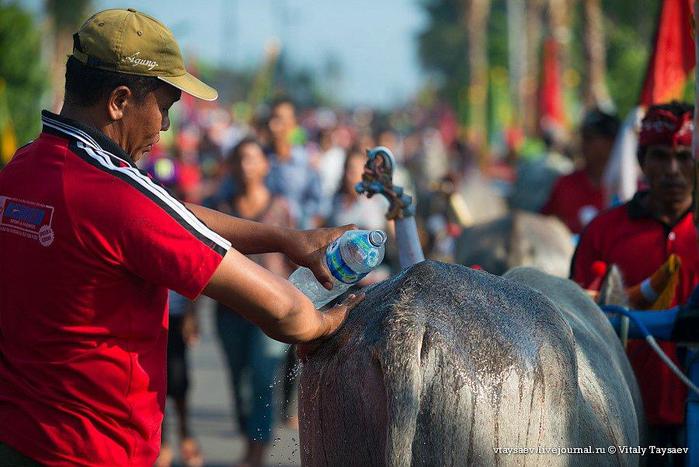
578	197
639	237
90	246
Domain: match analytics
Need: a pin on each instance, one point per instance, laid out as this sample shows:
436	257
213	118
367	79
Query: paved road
211	409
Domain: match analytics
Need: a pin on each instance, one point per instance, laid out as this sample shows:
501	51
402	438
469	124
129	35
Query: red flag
550	94
673	54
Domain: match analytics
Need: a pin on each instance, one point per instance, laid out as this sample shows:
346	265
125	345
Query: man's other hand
336	315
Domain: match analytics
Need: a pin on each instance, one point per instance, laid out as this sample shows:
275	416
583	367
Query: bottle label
338	267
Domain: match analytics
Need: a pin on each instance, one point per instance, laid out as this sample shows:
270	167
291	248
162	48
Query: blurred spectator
183	332
389	138
190	176
291	174
330	163
536	174
576	198
348	207
253	358
639	237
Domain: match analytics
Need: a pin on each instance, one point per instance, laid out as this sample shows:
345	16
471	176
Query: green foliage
629	26
21	69
442	46
497	34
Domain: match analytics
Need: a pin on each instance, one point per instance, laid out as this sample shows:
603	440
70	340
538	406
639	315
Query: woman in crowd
253	358
349	207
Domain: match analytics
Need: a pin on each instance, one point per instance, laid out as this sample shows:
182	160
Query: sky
374	42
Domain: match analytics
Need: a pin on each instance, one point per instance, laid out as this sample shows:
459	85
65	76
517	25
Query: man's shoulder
620	211
573	176
567	182
608	218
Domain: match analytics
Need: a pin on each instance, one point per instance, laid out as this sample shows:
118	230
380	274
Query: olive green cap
128	41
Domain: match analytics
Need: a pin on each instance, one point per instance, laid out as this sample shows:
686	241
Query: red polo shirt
89	246
574	200
638	244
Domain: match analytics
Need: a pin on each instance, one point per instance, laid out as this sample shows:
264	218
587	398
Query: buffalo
518	238
446	365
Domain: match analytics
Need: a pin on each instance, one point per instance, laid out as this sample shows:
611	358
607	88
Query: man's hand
307	248
336	316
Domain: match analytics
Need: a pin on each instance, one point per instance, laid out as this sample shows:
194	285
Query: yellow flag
658	291
8	142
8	139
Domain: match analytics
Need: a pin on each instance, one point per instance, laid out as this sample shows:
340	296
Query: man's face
283	120
669	172
145	120
596	149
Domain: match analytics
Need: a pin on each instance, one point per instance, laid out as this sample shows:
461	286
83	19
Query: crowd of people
299	167
279	172
302	172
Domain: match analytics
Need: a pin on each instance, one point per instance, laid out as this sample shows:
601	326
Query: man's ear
117	102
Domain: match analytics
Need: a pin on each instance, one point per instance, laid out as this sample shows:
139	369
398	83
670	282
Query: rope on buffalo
653	344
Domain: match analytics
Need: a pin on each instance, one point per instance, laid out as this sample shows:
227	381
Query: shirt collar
75	130
637	208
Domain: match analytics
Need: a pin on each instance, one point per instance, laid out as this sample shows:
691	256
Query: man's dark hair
85	85
600	123
676	108
279	101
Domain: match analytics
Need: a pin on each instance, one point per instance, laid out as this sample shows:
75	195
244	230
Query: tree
630	25
620	29
534	27
442	47
476	22
596	93
21	71
64	18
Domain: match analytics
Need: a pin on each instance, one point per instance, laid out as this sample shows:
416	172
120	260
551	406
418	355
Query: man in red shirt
578	197
639	237
90	246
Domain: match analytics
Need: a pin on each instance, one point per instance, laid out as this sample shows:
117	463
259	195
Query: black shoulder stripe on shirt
123	164
173	207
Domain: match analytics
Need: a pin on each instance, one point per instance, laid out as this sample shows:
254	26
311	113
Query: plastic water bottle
349	259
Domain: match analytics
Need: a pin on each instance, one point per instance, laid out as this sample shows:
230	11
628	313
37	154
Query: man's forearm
248	237
268	301
303	247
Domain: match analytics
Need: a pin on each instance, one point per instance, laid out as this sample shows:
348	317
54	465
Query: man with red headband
639	237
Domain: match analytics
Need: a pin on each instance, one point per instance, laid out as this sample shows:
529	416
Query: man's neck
594	176
89	116
84	115
282	150
668	212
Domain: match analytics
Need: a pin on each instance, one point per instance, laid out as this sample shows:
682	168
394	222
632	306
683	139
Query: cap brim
192	85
